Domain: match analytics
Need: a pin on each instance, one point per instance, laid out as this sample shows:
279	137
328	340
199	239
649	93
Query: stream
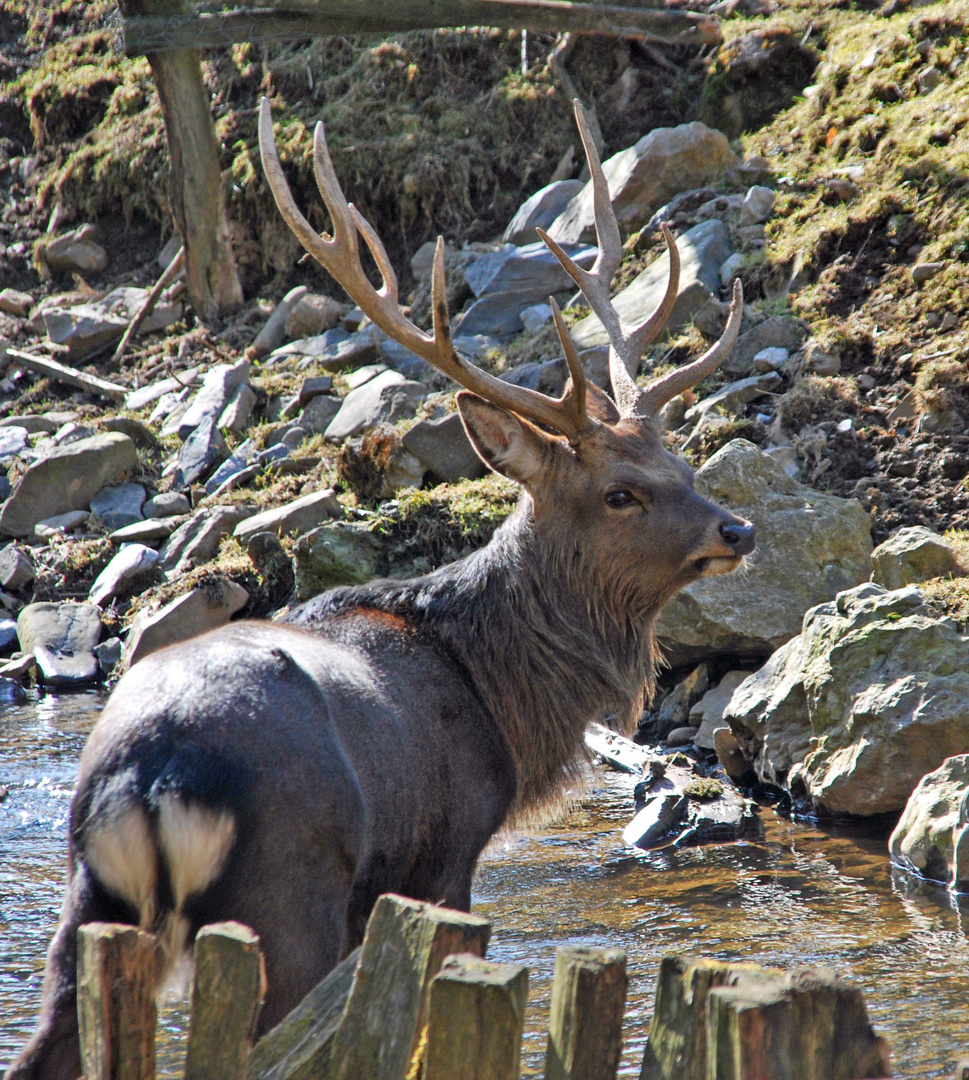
794	894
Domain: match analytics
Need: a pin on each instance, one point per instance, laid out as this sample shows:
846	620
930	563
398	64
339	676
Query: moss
703	789
817	397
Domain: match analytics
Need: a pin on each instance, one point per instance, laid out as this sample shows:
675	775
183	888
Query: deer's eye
619	499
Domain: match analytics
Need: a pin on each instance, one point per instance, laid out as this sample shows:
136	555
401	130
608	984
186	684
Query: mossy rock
338	553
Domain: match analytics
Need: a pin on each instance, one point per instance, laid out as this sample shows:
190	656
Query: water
793	895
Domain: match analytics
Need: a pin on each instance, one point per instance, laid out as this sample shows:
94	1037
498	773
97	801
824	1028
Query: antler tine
656	395
340	255
579	394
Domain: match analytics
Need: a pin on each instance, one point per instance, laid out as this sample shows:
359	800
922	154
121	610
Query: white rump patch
196	842
120	853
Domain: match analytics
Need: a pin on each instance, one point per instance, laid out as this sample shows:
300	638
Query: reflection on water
792	895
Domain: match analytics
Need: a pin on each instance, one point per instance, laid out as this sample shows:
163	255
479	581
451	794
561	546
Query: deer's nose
739	535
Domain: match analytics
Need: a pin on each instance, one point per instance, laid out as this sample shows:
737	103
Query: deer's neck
548	645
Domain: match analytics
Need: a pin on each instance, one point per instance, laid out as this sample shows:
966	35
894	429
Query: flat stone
384	399
16	568
931	838
76	251
339	553
311	387
108	654
119	506
273	333
87	328
56	668
681	736
12	441
707	714
149	531
19	668
524	271
33	425
735	395
145	395
643	177
199	538
336	349
68	628
908	556
758	205
540	210
238	411
299	516
703	250
61	524
218	387
773	333
771	359
535	317
16	303
8	633
202	609
408	363
201	452
922	272
166	504
140	435
131	560
66	479
443	447
238	461
313	314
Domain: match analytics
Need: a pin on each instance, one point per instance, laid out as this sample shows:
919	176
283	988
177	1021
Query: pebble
924	271
681	736
844	189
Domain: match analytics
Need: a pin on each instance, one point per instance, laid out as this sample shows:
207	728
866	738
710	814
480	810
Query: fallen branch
151	299
43	365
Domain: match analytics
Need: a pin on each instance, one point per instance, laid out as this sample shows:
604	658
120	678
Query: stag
286	774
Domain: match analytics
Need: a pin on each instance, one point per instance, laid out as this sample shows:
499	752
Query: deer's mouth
712	567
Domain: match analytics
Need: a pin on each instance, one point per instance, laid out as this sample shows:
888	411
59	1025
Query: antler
340	255
627	343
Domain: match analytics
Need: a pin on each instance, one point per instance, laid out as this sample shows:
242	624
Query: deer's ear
505	443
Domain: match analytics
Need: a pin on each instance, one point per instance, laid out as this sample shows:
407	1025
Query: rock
443	447
643	177
275	568
201	452
55	668
923	272
912	555
810	546
319	412
33	425
758	205
167	504
535	317
204	608
772	333
703	250
108	654
731	268
932	835
86	328
131	560
620	753
681	736
238	410
540	210
76	252
68	628
339	553
61	524
199	538
16	568
422	260
731	757
236	464
14	302
734	396
928	79
313	314
851	714
150	531
298	516
384	399
311	387
674	710
771	359
119	506
140	435
844	189
273	333
294	437
336	349
66	479
8	633
218	387
707	713
169	250
12	441
17	669
818	362
138	399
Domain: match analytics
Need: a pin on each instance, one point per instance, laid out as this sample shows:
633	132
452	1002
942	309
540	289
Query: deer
285	774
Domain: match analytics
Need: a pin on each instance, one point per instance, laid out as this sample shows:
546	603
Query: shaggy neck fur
548	645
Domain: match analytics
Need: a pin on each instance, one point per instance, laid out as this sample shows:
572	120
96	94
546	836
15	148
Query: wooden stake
116	974
405	944
588	1000
227	993
151	299
474	1030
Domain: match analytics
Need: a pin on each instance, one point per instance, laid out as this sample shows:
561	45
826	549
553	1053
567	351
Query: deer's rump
279	777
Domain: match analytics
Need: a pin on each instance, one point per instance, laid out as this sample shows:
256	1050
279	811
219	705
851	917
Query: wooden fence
418	1001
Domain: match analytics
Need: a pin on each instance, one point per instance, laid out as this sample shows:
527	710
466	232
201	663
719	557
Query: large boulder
850	715
912	555
703	250
66	479
540	209
810	547
643	177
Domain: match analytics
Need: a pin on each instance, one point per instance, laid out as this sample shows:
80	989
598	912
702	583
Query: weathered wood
53	369
716	1021
227	991
405	944
585	1027
147	32
299	1047
116	974
475	1020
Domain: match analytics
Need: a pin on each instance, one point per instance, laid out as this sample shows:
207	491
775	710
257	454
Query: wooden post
116	972
299	1046
211	277
588	1000
405	944
227	992
475	1020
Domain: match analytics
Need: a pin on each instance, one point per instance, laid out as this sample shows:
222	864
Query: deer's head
597	472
